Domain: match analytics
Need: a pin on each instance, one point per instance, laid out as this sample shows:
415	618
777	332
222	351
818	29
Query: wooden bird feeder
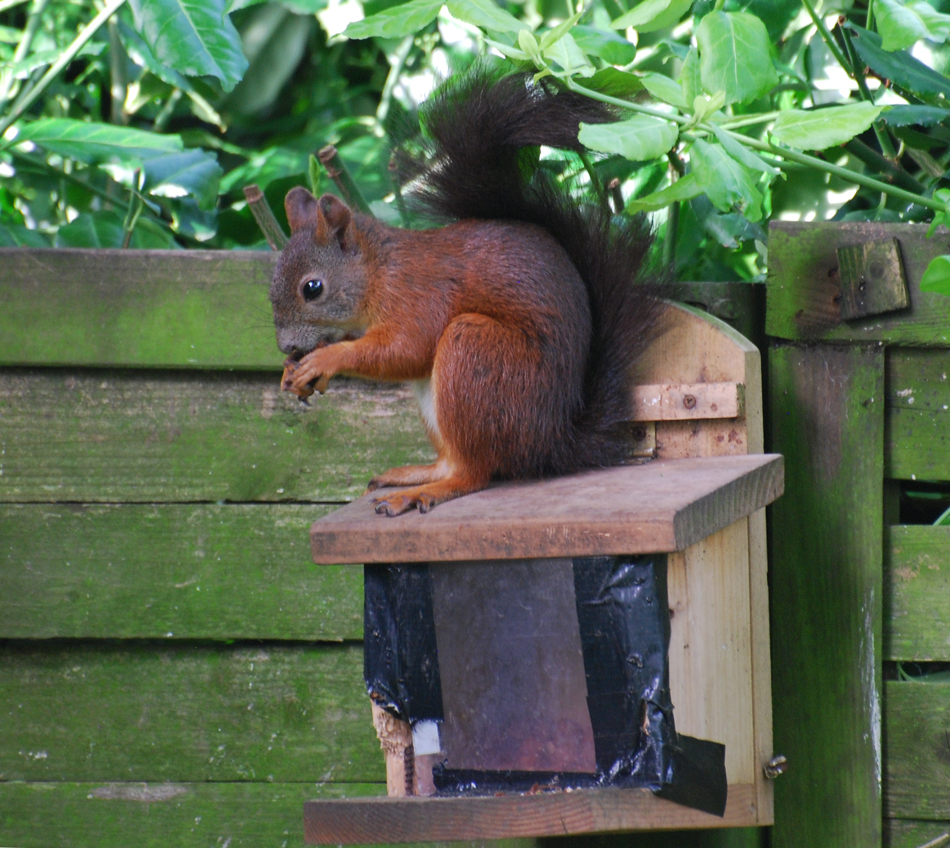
580	654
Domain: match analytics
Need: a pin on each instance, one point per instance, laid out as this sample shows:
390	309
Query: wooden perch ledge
659	507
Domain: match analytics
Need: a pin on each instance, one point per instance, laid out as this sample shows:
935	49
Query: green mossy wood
156	308
191	571
174	669
858	407
827	419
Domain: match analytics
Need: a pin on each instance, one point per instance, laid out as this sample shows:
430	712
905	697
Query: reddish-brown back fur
524	321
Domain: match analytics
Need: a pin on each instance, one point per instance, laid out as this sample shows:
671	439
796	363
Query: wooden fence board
917	445
825	574
919	379
183	815
194	571
125	436
917	750
158	308
90	711
906	833
803	284
917	593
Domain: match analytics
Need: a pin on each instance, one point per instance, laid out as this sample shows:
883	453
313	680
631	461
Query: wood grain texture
662	506
186	815
917	593
147	711
907	833
156	308
764	748
696	348
827	415
917	446
711	647
917	433
804	291
507	816
146	437
916	722
195	571
919	379
688	401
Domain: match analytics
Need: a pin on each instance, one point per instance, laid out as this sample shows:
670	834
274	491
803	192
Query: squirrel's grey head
320	279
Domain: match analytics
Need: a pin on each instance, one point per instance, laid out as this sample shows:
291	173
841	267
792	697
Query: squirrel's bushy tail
477	124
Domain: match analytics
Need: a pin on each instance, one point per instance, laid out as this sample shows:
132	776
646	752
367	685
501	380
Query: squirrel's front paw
291	366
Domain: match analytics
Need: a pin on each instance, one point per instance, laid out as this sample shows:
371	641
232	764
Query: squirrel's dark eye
312	289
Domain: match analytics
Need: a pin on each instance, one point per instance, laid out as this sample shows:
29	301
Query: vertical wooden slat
827	418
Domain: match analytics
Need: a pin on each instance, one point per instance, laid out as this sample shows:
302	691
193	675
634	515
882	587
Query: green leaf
529	44
140	53
614	82
899	67
280	40
905	116
818	129
638	139
937	276
195	37
685	188
902	24
562	29
651	15
724	180
105	229
665	89
569	57
193	172
941	195
604	44
94	143
16	235
485	14
189	220
690	79
735	56
743	154
396	21
705	107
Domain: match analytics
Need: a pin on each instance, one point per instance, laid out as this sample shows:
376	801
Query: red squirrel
516	323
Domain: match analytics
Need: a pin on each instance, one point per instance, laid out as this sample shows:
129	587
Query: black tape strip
400	659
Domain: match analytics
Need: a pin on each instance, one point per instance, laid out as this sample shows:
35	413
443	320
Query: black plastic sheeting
623	617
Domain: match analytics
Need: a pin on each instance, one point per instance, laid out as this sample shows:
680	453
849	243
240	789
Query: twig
264	216
616	194
826	36
330	158
135	209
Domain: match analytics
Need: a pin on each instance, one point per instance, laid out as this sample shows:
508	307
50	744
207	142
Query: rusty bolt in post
689	401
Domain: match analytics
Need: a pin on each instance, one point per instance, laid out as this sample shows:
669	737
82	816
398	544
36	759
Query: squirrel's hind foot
427	496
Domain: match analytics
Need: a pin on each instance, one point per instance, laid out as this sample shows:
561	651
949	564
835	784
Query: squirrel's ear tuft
301	208
333	218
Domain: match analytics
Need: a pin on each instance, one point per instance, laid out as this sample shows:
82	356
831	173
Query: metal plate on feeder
513	684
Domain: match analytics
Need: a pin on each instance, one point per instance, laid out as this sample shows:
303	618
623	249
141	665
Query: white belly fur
422	389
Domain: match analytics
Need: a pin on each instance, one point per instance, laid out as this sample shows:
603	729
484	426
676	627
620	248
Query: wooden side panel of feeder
697	349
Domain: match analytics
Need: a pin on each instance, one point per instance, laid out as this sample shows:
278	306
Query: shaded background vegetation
138	122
